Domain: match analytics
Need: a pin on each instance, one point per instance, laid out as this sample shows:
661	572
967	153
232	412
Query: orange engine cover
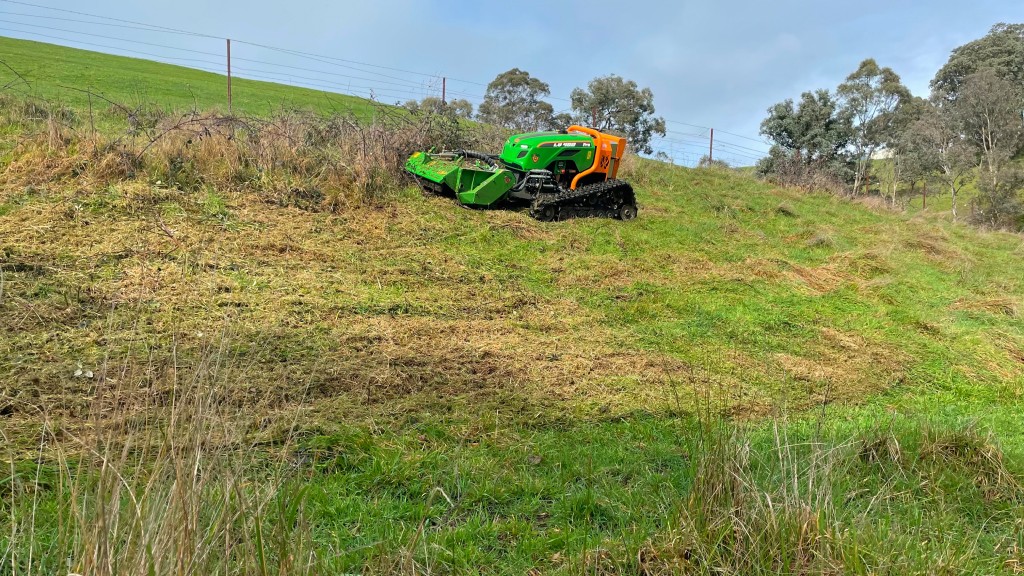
608	156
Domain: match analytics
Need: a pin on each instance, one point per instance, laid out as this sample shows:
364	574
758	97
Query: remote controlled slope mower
558	174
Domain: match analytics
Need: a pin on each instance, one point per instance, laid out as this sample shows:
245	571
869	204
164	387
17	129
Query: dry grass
367	307
361	305
287	228
979	456
876	203
245	313
290	159
733	524
936	245
997	305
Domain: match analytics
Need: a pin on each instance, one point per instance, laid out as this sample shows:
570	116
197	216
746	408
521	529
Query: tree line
516	100
969	130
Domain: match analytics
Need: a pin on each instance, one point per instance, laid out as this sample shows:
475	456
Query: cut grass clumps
821	240
973	455
786	210
997	305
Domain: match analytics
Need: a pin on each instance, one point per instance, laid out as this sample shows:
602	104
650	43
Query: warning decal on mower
565	145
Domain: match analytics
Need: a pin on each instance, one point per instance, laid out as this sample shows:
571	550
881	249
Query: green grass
62	74
477	391
638	495
548	499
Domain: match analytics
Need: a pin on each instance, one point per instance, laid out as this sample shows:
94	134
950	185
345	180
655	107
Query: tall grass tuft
172	488
873	500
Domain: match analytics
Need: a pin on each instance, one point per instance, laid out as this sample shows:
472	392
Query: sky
709	64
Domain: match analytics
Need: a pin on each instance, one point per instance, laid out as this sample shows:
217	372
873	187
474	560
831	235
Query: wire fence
684	143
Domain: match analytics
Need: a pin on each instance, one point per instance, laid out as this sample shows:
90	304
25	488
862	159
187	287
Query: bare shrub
788	170
709	162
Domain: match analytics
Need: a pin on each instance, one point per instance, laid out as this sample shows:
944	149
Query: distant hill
61	73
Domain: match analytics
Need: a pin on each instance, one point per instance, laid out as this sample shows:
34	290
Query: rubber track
609	196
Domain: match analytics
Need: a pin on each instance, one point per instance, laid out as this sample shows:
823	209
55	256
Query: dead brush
813	177
291	158
60	155
37	163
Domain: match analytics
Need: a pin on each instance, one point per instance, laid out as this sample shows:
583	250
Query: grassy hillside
807	296
58	73
746	379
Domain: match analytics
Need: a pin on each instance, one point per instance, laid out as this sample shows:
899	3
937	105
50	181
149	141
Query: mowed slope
780	299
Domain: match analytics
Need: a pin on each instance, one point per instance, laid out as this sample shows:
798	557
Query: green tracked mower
558	174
